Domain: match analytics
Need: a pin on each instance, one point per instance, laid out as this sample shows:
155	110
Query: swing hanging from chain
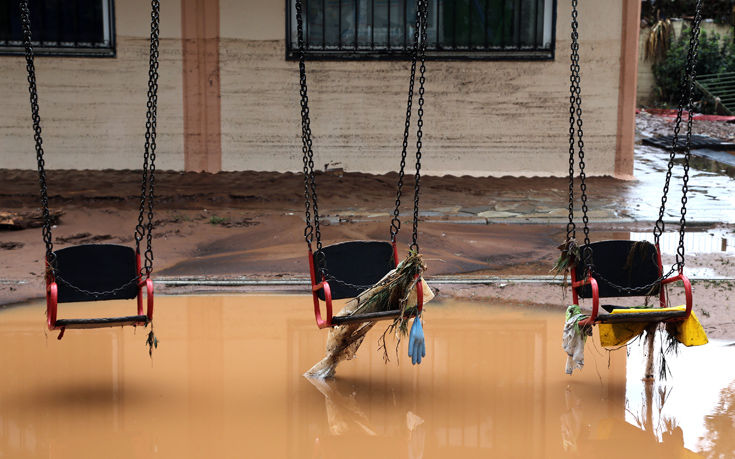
344	270
624	268
98	272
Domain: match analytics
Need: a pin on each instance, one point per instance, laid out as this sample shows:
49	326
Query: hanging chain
151	122
574	80
149	158
422	6
25	18
691	77
308	155
312	230
686	101
575	111
395	224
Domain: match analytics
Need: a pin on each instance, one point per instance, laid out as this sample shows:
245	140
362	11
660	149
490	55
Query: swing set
605	269
100	272
345	269
623	268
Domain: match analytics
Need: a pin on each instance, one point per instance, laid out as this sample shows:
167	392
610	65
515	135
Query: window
457	29
60	27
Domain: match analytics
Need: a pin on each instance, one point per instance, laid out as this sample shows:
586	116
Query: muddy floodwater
226	381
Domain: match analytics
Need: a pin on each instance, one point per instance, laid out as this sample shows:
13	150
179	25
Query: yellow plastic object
613	335
688	332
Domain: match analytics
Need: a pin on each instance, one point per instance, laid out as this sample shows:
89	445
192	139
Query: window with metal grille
457	29
60	27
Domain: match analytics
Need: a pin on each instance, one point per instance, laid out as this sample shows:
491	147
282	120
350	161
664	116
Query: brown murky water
226	382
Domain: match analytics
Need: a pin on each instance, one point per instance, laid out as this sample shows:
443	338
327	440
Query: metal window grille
457	29
60	27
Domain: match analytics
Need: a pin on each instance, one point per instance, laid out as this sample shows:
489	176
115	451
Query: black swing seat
629	264
102	322
353	266
98	271
626	263
655	315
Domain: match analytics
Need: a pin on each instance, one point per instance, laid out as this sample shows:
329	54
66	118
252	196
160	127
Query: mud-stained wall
481	118
93	109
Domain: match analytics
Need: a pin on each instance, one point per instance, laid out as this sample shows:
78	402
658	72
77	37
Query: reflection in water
718	440
226	382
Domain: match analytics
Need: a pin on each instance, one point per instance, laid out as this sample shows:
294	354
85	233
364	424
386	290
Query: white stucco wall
481	118
93	109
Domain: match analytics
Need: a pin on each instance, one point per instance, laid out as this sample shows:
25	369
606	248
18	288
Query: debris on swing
396	291
624	268
366	272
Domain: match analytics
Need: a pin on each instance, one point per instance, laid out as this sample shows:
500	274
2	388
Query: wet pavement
226	382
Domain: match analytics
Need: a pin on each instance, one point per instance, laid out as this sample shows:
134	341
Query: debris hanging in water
395	291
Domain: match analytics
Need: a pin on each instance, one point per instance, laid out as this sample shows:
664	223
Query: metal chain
422	6
150	135
691	77
148	160
395	224
686	97
574	80
575	110
305	128
97	294
312	230
25	18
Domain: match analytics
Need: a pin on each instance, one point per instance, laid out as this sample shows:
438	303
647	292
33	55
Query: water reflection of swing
460	405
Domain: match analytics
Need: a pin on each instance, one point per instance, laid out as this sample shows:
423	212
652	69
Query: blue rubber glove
416	342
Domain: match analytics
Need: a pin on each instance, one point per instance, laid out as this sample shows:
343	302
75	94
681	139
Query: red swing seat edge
592	282
52	293
324	286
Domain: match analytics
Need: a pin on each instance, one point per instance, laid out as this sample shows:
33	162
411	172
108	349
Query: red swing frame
52	295
324	285
592	282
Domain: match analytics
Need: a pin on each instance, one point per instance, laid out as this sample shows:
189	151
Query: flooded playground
227	378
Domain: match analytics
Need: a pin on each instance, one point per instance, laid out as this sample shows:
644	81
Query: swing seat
634	314
97	272
354	267
629	264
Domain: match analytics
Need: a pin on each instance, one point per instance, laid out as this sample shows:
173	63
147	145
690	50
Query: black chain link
422	7
575	112
395	224
312	230
149	157
150	136
25	18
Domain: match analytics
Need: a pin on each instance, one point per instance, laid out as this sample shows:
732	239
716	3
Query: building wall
93	109
481	118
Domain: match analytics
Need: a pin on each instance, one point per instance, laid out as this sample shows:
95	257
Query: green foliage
719	10
711	58
215	220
